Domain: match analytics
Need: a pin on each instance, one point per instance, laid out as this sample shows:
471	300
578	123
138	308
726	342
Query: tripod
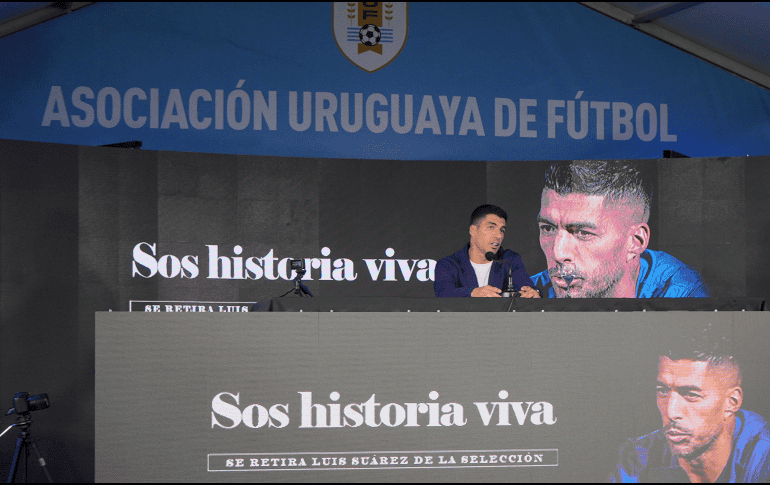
25	441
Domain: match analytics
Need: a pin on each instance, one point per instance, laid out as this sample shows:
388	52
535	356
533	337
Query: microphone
508	290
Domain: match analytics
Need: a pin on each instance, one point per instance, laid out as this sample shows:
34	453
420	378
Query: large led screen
430	396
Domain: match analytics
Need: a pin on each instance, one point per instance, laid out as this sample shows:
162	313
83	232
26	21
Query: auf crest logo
370	34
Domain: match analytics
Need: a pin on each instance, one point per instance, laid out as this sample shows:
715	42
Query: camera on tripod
298	265
23	403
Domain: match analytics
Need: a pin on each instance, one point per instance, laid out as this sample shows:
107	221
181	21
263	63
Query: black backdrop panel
757	226
418	209
703	218
43	346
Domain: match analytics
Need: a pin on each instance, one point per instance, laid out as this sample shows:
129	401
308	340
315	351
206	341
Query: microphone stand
508	288
508	291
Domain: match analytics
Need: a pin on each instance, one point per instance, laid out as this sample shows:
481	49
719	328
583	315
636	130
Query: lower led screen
431	396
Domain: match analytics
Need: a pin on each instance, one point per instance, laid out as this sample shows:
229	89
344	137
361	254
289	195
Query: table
404	304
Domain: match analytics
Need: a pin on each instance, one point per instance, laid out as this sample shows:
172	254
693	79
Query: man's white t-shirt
482	272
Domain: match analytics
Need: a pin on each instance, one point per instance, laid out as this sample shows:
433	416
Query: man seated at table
706	436
594	234
468	272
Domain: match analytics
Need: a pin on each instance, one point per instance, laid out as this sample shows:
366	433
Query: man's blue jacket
649	458
660	276
455	275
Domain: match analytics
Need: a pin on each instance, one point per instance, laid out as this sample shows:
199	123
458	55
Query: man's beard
600	286
692	451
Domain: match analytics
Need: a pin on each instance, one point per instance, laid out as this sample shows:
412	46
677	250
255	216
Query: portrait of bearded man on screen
706	435
594	232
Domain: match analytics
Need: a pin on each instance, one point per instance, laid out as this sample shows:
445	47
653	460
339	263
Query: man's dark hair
484	210
618	181
712	345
